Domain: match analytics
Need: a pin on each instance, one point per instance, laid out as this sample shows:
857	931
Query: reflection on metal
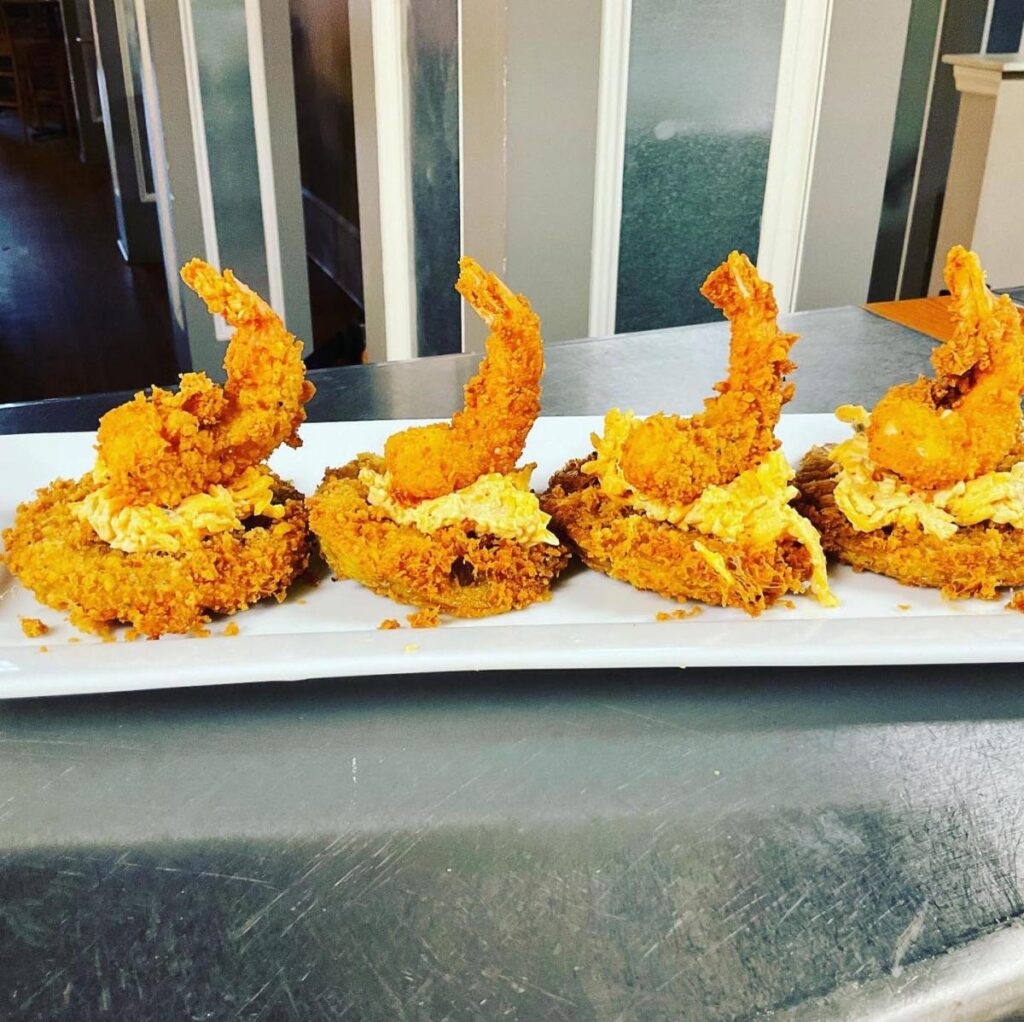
202	161
805	32
129	68
613	88
980	982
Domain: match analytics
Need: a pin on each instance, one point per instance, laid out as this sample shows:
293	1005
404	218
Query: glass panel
1004	34
433	41
915	81
702	80
131	36
223	55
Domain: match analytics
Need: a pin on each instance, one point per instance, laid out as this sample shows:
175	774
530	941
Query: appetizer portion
180	518
699	507
445	519
930	487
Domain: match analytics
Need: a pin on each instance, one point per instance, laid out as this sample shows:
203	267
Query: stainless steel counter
578	845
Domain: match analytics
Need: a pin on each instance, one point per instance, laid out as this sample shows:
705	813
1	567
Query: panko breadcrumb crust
975	561
615	539
452	569
70	568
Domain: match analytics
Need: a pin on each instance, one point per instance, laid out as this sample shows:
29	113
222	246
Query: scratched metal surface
578	845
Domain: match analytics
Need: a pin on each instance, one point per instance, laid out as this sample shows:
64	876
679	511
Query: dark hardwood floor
74	317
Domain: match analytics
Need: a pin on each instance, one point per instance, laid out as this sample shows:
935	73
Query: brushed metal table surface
556	845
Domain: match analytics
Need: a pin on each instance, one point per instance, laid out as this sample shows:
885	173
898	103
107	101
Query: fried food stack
699	508
930	488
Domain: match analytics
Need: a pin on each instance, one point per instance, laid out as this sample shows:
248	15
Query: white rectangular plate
330	630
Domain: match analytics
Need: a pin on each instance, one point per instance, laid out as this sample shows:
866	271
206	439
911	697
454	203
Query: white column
982	208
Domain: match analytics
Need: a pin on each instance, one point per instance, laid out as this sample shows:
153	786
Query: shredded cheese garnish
501	505
135	528
753	507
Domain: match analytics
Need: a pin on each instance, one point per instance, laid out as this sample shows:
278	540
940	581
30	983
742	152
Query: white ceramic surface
330	630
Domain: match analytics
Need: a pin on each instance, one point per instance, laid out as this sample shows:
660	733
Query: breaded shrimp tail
963	423
165	447
501	401
675	459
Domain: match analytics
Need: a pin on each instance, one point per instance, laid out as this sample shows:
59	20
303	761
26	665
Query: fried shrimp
736	429
930	488
963	423
699	507
164	447
501	401
179	519
445	521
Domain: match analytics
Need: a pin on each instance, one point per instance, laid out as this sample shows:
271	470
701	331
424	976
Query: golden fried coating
451	569
674	459
165	447
628	545
70	568
934	433
501	401
975	561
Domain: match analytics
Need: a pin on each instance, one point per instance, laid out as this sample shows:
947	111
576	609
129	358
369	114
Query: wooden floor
74	318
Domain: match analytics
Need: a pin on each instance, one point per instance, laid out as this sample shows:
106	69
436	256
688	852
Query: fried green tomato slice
451	569
71	569
616	540
977	560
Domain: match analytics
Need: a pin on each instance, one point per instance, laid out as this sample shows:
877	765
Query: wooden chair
40	63
10	86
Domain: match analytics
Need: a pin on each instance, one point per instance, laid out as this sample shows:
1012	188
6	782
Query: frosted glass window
433	39
223	55
701	99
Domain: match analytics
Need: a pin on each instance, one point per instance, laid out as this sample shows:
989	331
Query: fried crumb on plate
1016	602
388	624
75	639
425	617
44	649
231	628
788	604
33	627
131	635
903	606
678	615
199	632
411	647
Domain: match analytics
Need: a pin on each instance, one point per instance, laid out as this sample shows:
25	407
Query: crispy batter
425	617
962	424
679	615
1016	602
452	569
389	624
166	447
628	545
975	561
675	459
501	401
33	628
69	568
